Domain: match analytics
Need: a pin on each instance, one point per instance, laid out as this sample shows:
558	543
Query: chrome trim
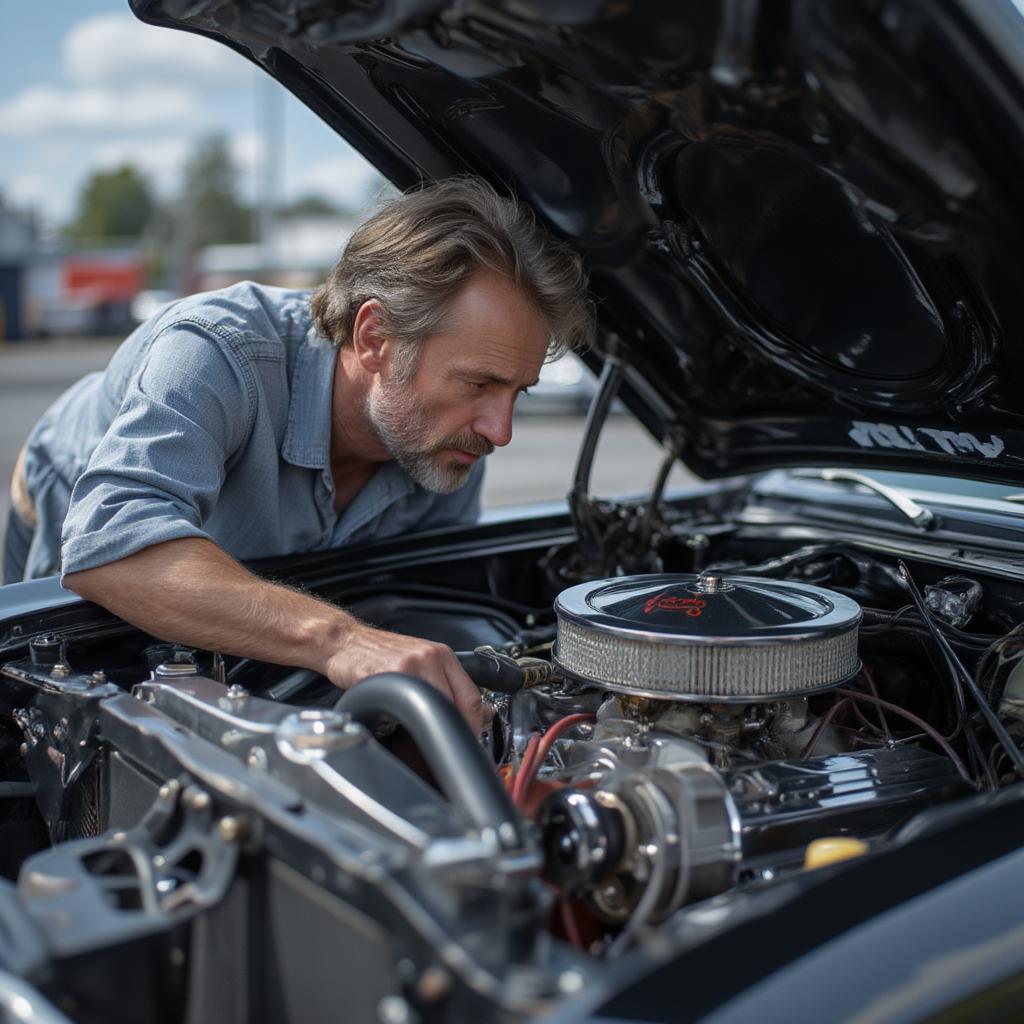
21	1002
742	666
682	640
921	517
707	698
845	613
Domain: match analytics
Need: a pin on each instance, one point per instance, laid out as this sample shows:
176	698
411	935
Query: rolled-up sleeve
157	473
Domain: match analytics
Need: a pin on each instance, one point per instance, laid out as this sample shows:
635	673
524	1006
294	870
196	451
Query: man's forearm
190	591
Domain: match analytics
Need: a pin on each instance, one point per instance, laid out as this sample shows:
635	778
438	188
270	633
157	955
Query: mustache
468	442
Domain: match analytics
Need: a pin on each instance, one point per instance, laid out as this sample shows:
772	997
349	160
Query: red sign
692	606
107	278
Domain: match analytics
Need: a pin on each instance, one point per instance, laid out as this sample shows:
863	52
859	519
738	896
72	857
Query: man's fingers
434	663
465	693
441	668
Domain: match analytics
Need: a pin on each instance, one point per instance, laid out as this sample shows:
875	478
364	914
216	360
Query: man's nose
495	422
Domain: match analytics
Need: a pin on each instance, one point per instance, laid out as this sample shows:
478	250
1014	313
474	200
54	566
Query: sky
84	86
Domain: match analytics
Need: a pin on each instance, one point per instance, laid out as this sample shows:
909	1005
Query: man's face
457	406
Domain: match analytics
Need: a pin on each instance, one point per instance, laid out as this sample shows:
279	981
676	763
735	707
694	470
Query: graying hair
415	254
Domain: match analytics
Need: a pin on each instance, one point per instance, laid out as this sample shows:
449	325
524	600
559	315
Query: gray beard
402	430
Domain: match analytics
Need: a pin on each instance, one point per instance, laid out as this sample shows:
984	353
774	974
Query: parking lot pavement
540	461
536	466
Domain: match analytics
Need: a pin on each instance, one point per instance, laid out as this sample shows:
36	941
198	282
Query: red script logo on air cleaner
692	606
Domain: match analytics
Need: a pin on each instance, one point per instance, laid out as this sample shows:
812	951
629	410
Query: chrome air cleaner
707	638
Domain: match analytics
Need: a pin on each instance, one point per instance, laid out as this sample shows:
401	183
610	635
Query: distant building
83	291
19	242
302	251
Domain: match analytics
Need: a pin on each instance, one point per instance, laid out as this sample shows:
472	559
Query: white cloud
126	92
118	50
346	178
247	150
45	109
159	159
121	76
33	188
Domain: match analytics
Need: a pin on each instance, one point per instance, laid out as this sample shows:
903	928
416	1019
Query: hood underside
803	220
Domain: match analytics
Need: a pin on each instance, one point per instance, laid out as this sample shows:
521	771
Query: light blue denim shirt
212	420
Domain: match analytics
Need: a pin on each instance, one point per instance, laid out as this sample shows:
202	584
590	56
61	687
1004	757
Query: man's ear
369	336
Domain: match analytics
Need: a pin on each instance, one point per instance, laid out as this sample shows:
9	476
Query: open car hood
803	220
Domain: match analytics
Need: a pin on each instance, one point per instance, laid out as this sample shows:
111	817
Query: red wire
530	765
919	722
557	729
524	767
572	931
870	679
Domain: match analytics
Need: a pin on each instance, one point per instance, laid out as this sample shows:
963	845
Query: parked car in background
757	745
148	302
84	293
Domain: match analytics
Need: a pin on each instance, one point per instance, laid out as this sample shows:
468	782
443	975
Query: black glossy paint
803	219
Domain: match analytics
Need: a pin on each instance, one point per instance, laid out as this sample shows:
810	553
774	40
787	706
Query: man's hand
367	651
189	591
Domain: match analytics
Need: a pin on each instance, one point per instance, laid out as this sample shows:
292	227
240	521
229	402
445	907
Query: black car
756	752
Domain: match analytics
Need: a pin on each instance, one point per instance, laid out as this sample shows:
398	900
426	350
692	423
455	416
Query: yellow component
832	850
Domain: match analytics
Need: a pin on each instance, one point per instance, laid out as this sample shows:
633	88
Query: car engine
702	761
678	738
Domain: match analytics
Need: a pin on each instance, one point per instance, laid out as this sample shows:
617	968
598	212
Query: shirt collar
307	438
388	485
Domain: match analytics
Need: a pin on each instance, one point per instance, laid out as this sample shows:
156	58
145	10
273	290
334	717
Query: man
254	422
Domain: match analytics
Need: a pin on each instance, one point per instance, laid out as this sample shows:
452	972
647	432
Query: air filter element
707	638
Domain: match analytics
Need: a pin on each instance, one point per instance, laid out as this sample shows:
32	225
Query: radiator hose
462	769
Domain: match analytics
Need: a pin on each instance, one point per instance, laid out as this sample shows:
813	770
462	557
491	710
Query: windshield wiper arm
921	517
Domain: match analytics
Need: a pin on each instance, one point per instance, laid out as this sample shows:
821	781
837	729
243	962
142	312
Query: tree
113	204
210	196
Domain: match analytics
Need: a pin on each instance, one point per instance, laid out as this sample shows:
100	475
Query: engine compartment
635	795
647	801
